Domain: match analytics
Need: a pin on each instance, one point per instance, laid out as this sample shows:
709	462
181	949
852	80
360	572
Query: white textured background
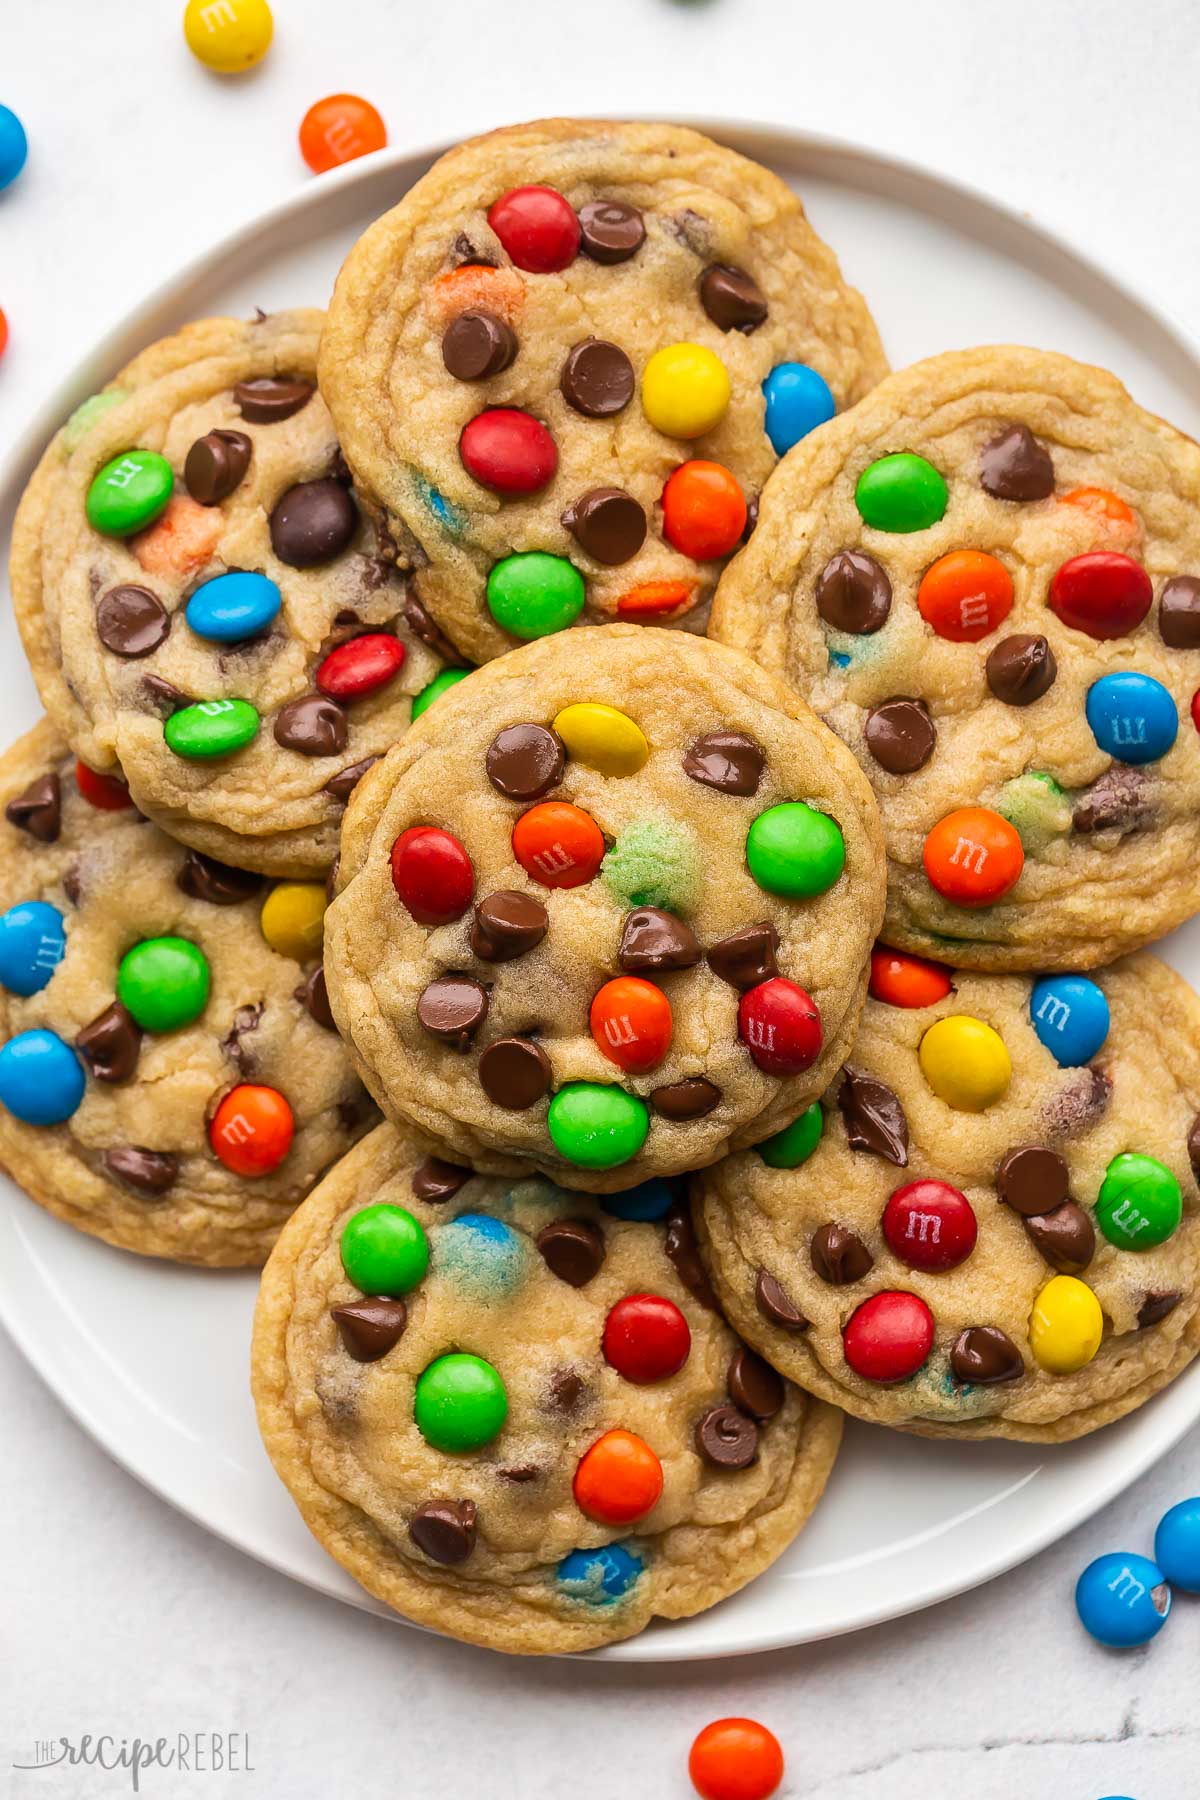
117	1615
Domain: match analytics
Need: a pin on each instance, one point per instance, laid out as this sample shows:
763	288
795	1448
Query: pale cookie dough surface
671	841
343	1437
400	413
1110	859
114	877
1143	1099
265	806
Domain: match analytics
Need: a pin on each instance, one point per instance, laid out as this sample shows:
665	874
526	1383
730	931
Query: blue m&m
1070	1016
41	1078
484	1256
643	1204
1123	1599
798	400
233	607
14	146
601	1575
32	942
1133	717
1177	1545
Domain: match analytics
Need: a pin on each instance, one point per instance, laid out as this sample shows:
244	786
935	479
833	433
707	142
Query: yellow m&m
685	390
602	737
228	35
1065	1326
293	919
965	1063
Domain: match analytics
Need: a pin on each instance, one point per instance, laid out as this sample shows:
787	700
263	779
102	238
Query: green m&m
129	493
595	1125
87	413
902	492
384	1250
436	688
211	728
1139	1203
533	593
795	851
163	983
796	1142
460	1403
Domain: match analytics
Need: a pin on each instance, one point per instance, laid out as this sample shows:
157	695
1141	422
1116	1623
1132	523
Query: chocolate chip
566	1390
747	956
204	878
1079	1105
1066	1237
597	379
131	621
523	1472
525	761
874	1117
331	881
726	1438
464	252
839	1255
1021	669
110	1044
72	883
478	344
434	1180
751	519
507	924
215	465
727	760
691	1098
313	996
572	1249
313	522
610	231
149	1171
607	523
680	1246
245	1021
343	784
984	1354
900	735
369	1328
654	940
732	299
38	810
444	1530
753	1385
515	1072
1032	1180
1179	613
452	1008
854	593
1155	1307
1015	466
163	697
311	725
422	626
773	1303
271	398
1119	800
1193	1146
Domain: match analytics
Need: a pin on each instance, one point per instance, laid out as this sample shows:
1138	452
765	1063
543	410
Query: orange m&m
1102	505
618	1480
631	1023
653	598
965	595
973	856
558	844
181	538
252	1129
736	1759
338	129
704	510
900	980
104	792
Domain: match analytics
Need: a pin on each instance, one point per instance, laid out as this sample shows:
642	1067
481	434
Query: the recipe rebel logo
188	1753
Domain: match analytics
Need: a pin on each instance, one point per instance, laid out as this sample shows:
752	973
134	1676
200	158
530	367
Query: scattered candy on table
735	1759
1123	1599
14	146
1177	1545
229	36
338	129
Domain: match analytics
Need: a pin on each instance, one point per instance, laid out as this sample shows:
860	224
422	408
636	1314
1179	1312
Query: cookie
513	1414
606	918
986	579
563	366
992	1227
170	1079
204	605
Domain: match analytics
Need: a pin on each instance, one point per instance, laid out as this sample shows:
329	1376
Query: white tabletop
118	1616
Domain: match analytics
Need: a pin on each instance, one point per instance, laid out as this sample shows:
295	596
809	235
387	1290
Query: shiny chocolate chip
900	735
747	956
514	1073
38	809
1066	1237
507	924
1021	669
452	1008
684	1254
729	761
854	593
215	465
313	995
1015	466
525	761
312	725
607	523
1155	1307
271	398
874	1117
597	379
732	299
110	1045
775	1306
983	1354
653	940
148	1171
1032	1180
204	878
726	1438
444	1530
839	1255
131	621
163	697
343	784
434	1180
1179	613
478	344
1119	800
610	231
692	1098
313	522
572	1249
369	1328
753	1385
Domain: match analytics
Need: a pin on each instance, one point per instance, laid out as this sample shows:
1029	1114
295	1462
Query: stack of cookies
636	1046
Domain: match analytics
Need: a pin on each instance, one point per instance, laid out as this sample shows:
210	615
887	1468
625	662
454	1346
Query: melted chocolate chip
313	522
984	1354
874	1117
38	810
313	996
311	725
572	1249
1193	1146
610	231
566	1390
444	1530
1179	613
1032	1180
753	1385
1021	669
726	1438
1066	1237
597	379
839	1255
1120	800
422	626
271	398
464	252
854	593
245	1022
216	464
204	878
514	1072
369	1328
607	523
72	883
507	924
729	761
343	784
774	1304
751	519
452	1008
732	299
434	1180
691	1098
1079	1105
681	1248
111	1044
523	1472
747	956
163	697
1155	1307
900	735
148	1171
131	621
654	940
1015	466
525	761
478	344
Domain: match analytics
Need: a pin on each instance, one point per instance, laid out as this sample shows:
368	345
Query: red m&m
432	874
360	666
646	1338
102	791
558	844
901	980
631	1023
508	450
889	1337
929	1225
1102	593
537	228
252	1129
780	1026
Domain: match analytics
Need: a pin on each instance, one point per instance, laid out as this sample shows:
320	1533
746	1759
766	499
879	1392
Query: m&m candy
3	332
1122	1599
1100	504
901	980
1070	1016
595	1126
361	666
460	1403
1140	1203
1102	593
211	728
794	850
532	593
293	918
441	684
704	510
1177	1545
230	35
930	1225
796	1142
735	1759
14	146
338	129
33	941
432	875
537	228
685	390
252	1130
901	492
384	1250
965	595
1065	1326
104	792
602	737
558	844
889	1337
163	982
631	1023
1133	717
600	1576
965	1063
618	1480
508	451
647	1202
798	400
646	1338
655	599
973	857
780	1026
233	607
129	492
41	1078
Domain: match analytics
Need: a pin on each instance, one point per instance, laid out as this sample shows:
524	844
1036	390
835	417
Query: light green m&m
796	1142
436	688
533	593
460	1403
597	1126
384	1250
795	851
211	728
1139	1204
901	493
163	983
129	493
87	413
654	862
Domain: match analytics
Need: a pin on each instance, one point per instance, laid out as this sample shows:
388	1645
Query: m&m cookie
562	367
606	915
203	603
991	1226
170	1077
514	1413
986	579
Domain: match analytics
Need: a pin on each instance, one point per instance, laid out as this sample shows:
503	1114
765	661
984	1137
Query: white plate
152	1359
